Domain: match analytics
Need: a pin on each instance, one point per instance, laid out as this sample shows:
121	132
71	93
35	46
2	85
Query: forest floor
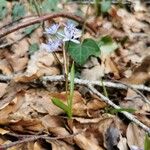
110	92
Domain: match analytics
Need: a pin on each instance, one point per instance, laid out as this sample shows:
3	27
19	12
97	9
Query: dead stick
36	137
5	31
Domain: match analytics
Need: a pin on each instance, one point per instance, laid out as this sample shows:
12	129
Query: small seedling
67	108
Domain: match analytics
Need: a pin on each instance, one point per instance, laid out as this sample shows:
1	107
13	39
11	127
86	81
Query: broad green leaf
105	5
70	98
60	104
18	11
3	9
147	143
33	48
49	6
107	45
81	52
30	29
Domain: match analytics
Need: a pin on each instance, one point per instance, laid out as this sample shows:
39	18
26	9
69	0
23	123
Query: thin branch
109	84
6	31
36	137
128	115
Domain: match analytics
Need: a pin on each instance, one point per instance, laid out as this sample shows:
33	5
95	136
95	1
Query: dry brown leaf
21	48
37	146
93	71
96	104
3	87
23	78
16	61
122	144
42	63
141	74
135	136
132	100
3	131
52	121
10	108
111	67
127	21
60	145
85	141
5	67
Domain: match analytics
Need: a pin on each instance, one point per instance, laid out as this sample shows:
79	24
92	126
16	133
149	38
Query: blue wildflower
52	46
52	30
71	33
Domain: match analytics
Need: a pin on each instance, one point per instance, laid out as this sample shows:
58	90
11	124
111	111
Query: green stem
97	7
104	88
65	69
86	16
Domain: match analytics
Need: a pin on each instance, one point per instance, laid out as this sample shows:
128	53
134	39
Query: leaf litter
26	106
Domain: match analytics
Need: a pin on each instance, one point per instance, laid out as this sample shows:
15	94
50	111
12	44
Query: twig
109	84
128	115
106	83
5	31
36	137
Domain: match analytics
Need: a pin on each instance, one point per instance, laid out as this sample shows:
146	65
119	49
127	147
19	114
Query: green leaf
18	11
3	9
33	48
81	52
70	98
49	6
60	104
105	5
107	45
30	29
147	143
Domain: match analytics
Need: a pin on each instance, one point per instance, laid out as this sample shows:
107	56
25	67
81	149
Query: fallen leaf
42	63
3	131
135	136
122	144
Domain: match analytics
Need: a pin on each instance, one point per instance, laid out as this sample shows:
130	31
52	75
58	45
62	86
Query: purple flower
71	33
52	46
52	29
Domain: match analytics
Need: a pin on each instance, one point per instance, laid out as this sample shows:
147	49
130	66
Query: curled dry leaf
3	87
135	136
127	21
86	141
42	63
60	145
132	100
3	132
19	54
5	68
95	70
122	144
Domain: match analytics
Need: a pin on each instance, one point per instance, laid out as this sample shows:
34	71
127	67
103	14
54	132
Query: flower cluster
57	38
